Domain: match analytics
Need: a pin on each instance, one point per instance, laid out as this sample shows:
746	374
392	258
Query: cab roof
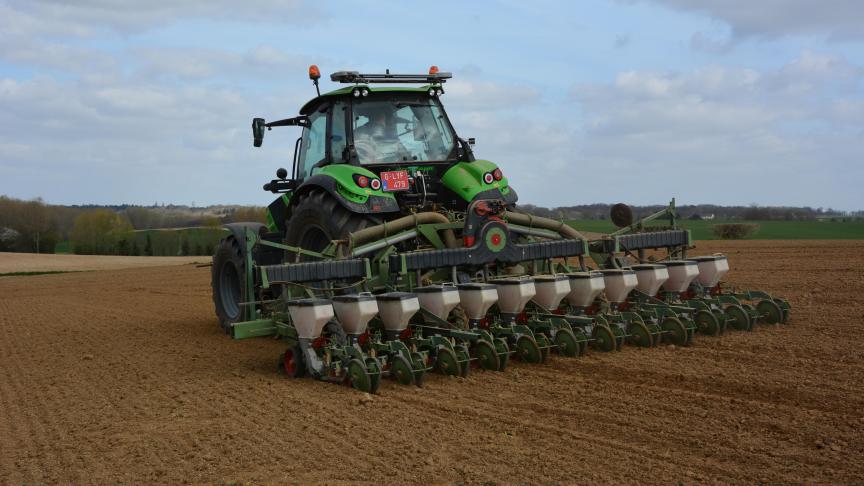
346	92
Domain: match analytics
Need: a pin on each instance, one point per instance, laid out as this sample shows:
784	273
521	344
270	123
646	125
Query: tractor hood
470	180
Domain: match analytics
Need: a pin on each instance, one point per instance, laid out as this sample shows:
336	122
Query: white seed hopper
309	316
396	309
477	298
355	311
712	269
439	300
584	288
681	273
514	293
619	284
650	277
551	289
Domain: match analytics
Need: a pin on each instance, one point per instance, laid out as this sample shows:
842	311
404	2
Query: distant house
701	217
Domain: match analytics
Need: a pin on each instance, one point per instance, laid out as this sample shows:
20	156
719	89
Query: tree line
698	211
36	227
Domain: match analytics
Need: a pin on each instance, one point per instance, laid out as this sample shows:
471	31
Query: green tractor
392	251
366	156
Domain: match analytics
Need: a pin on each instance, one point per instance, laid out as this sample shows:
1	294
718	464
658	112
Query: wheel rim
359	377
707	323
229	290
400	370
639	335
289	363
772	312
566	341
503	359
544	350
676	329
529	351
604	339
487	358
447	364
737	318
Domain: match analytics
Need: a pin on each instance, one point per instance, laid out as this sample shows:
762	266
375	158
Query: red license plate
395	180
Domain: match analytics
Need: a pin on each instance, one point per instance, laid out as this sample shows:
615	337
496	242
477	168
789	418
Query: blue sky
727	102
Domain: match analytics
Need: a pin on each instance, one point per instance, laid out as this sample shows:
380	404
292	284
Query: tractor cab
382	149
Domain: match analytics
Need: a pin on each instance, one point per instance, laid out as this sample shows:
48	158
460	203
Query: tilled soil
44	262
124	376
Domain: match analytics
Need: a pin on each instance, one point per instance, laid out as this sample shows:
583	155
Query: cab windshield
396	131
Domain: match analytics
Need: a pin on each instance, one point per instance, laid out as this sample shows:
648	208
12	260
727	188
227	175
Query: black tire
318	218
228	281
334	333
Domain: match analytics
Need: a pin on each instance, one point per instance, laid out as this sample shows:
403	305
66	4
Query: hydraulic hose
390	228
539	222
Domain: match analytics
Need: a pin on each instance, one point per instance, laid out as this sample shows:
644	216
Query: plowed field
123	376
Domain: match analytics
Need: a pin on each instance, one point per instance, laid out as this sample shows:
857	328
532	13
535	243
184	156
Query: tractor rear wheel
318	218
228	280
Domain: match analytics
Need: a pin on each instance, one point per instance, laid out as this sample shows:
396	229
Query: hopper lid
395	296
308	302
354	298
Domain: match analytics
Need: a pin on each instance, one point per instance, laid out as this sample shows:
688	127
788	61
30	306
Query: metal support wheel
543	343
737	317
486	355
604	338
447	363
567	343
640	335
786	310
503	353
358	376
400	370
675	331
770	311
528	350
706	322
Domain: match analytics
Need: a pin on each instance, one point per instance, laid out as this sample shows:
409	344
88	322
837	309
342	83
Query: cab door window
313	144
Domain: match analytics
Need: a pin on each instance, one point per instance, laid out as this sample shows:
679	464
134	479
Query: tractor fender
238	231
373	204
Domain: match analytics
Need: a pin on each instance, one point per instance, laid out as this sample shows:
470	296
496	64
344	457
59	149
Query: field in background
768	230
202	240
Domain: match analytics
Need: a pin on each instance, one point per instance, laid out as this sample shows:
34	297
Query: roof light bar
356	77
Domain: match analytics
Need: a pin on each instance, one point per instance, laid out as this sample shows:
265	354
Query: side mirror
471	141
257	131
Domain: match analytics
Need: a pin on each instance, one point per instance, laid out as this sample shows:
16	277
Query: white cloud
836	19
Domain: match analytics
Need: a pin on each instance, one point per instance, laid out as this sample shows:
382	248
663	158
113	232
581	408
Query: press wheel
567	343
400	370
785	306
528	350
358	376
373	366
604	338
486	355
737	317
446	363
543	344
640	335
770	310
504	358
675	330
706	322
